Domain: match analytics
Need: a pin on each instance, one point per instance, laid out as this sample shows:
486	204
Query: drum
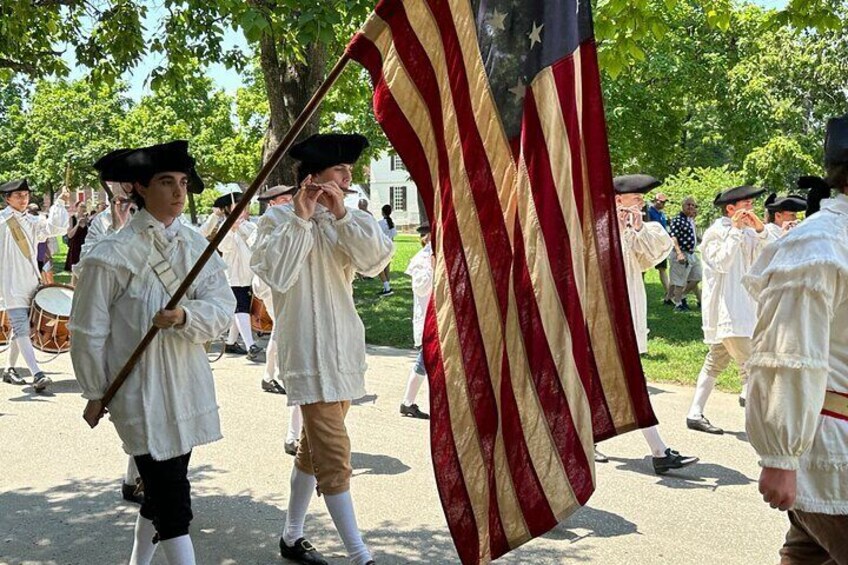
5	328
48	319
260	320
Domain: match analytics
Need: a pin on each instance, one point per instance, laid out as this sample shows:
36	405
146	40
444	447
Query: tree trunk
289	86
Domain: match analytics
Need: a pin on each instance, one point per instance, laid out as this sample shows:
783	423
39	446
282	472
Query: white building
391	184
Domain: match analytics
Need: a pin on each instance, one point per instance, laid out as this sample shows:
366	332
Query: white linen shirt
19	277
800	350
235	250
642	250
310	266
421	270
726	254
167	405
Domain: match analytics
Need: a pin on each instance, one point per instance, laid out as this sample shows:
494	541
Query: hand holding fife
305	199
166	319
778	487
94	410
332	198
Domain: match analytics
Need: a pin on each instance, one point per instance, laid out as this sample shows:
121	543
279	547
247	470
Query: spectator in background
77	233
685	265
363	205
656	213
389	229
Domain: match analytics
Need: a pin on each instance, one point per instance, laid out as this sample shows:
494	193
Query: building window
397	164
397	198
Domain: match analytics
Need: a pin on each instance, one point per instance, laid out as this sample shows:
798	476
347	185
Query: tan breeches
324	449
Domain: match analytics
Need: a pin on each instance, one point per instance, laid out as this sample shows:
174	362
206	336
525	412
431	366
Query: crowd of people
772	291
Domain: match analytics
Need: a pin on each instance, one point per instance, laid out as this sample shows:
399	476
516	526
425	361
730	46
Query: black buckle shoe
413	412
703	425
254	352
302	552
41	382
600	457
235	349
12	377
133	493
672	460
290	447
273	387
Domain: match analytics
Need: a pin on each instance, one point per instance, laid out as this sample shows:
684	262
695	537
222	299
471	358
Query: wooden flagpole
260	179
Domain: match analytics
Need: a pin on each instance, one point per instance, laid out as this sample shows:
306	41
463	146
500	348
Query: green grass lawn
675	347
388	321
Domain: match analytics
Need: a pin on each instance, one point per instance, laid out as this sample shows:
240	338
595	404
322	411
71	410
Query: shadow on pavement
370	464
700	475
86	522
367	399
591	522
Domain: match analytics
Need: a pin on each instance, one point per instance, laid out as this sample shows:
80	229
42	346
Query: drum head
55	299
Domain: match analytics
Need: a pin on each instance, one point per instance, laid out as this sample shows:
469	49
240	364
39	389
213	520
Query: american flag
495	106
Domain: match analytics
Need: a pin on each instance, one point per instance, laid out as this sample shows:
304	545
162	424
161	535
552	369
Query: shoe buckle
306	546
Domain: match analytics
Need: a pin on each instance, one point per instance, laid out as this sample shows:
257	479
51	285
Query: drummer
20	234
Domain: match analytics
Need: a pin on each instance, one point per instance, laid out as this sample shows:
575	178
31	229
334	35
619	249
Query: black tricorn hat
275	191
791	203
635	184
140	164
227	200
324	150
736	194
14	186
836	142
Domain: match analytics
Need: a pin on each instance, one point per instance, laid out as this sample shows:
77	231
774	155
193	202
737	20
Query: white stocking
143	546
243	322
340	507
655	442
302	487
179	551
295	424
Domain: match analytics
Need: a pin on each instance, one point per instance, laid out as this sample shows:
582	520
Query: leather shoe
302	552
235	349
413	412
40	382
290	447
12	377
254	352
741	402
672	460
133	493
703	425
273	387
600	457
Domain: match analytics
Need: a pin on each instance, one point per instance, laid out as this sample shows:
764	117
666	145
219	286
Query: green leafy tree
702	183
69	126
778	164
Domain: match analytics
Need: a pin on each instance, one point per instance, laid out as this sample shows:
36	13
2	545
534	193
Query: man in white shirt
782	213
643	245
420	269
167	406
797	413
235	250
309	253
20	234
729	248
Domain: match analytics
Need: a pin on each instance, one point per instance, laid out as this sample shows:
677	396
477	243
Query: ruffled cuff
785	462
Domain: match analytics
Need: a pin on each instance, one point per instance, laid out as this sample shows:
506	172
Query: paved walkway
60	501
